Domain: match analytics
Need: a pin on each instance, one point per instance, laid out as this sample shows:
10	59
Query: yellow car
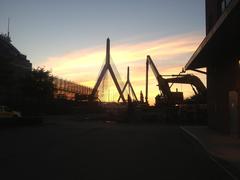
6	112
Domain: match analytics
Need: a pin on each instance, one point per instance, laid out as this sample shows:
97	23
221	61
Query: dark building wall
223	73
222	79
13	67
214	9
212	13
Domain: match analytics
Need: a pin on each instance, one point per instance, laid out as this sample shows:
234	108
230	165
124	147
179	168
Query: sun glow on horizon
169	55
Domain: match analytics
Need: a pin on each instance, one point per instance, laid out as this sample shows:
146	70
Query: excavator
166	96
196	84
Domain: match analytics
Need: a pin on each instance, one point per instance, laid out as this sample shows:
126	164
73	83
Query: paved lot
223	147
97	150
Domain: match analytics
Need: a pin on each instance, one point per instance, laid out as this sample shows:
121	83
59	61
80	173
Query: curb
211	156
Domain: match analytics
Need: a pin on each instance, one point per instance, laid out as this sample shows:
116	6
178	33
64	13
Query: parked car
6	112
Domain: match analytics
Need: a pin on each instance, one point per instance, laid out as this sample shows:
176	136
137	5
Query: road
99	150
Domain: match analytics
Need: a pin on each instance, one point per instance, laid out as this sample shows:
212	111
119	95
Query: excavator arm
189	79
162	84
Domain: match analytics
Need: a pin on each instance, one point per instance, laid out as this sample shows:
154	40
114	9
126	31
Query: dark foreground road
97	150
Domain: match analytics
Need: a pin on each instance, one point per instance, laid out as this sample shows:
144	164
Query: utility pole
8	33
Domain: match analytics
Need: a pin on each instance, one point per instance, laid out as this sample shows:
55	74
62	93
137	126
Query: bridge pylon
108	67
129	85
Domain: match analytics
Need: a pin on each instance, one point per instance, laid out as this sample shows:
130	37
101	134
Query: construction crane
167	96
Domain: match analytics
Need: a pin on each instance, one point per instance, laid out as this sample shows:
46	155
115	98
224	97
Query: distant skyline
51	32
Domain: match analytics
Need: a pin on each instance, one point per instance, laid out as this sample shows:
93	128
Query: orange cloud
169	55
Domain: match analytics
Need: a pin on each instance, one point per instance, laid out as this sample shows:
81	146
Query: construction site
169	105
120	97
53	126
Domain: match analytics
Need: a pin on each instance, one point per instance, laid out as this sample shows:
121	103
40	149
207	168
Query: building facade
219	53
13	66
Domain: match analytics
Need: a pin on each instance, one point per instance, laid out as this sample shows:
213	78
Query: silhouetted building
13	66
219	52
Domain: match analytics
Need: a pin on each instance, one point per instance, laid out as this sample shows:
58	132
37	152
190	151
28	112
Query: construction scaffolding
69	90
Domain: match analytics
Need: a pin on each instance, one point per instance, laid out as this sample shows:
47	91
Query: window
225	4
228	2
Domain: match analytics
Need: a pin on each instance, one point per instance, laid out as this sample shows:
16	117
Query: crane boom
163	85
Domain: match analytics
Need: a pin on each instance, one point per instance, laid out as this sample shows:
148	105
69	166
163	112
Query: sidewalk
222	147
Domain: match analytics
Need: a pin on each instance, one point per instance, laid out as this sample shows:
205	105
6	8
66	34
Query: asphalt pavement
103	150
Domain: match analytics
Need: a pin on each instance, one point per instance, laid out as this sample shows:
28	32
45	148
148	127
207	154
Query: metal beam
199	71
146	95
116	83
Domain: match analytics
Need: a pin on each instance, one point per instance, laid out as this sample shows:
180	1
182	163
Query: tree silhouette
39	84
37	91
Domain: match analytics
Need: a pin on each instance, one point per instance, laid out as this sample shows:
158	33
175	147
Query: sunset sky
69	36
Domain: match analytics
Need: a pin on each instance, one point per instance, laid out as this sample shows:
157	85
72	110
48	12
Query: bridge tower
129	85
108	67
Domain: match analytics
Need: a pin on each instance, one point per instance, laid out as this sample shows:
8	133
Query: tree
37	90
39	84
